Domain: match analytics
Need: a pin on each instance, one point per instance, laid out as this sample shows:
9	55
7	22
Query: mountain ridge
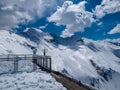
96	63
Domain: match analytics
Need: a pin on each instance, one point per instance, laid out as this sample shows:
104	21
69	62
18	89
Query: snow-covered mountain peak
33	32
68	41
27	30
35	35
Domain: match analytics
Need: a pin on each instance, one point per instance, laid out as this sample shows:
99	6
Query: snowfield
37	80
96	63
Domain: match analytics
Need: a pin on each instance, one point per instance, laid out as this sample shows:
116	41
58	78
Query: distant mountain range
96	63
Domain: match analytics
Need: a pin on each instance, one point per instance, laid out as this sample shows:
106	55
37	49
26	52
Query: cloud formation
115	30
107	7
13	12
73	16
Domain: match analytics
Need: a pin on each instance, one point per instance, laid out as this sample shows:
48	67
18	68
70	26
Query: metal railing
44	62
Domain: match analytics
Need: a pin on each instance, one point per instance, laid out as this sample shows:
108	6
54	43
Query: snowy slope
37	80
96	63
12	43
26	79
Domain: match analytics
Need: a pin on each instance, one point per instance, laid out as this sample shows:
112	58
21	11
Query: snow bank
37	80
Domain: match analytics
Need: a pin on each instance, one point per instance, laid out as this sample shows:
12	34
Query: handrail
12	57
42	61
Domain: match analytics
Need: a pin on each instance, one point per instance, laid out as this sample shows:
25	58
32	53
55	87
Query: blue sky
102	21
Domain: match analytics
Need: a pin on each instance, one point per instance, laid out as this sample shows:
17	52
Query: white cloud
115	30
107	7
43	27
13	12
73	16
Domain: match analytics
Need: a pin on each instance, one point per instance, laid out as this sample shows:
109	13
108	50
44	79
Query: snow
71	56
37	80
12	43
110	86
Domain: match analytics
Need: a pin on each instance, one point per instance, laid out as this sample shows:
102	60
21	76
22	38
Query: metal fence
14	62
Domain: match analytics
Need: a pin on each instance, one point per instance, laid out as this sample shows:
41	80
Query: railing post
34	61
40	60
50	64
16	64
8	57
43	61
47	62
25	57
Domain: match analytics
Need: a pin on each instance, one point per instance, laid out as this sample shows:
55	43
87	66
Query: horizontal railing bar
13	57
23	56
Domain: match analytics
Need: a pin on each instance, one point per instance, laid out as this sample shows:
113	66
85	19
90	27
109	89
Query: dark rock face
106	74
102	71
117	53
